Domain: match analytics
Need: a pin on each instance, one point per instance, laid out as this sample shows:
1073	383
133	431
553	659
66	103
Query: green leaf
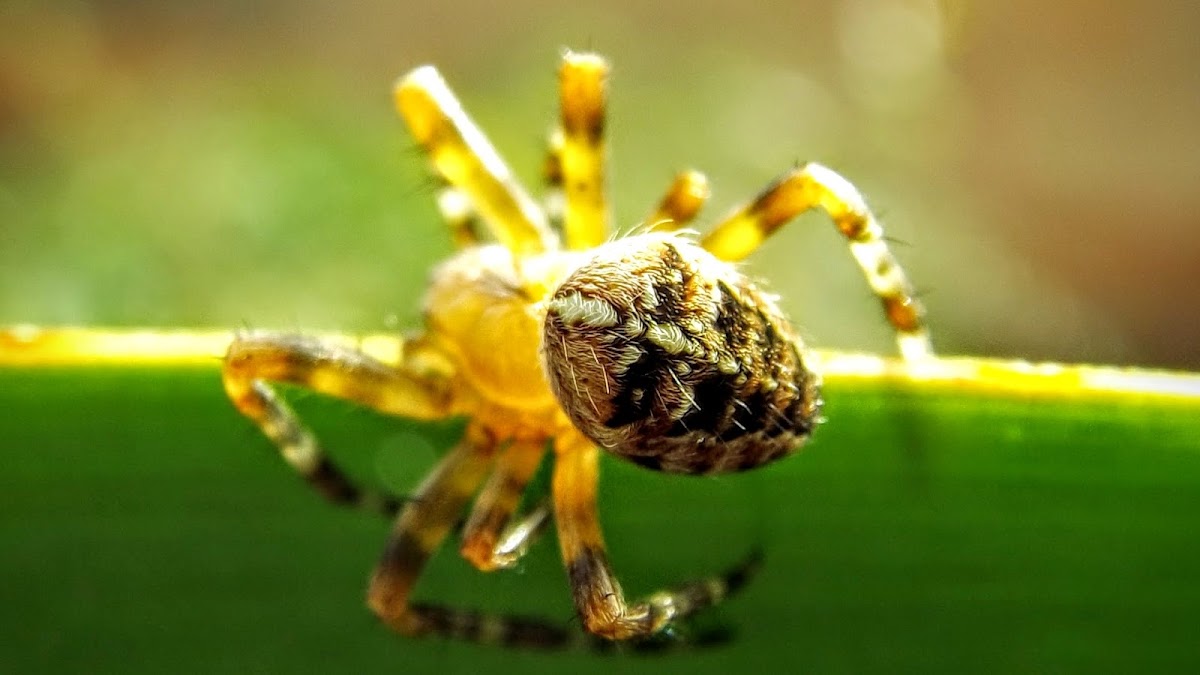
964	516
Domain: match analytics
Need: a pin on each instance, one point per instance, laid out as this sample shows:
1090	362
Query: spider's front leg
410	389
255	359
597	593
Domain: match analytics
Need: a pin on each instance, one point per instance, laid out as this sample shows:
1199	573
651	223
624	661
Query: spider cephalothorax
654	347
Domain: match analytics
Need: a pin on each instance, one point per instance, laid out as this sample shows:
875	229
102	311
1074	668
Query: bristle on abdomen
673	359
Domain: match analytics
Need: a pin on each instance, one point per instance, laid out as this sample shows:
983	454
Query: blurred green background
145	529
234	163
239	164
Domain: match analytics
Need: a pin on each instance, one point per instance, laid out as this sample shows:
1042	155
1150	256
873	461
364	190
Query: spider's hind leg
814	186
597	593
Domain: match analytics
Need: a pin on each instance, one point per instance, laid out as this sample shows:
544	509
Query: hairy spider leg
422	525
815	186
424	518
583	88
419	530
255	359
679	206
466	160
493	537
595	589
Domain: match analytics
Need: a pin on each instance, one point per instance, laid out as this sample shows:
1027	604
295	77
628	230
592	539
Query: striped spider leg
815	186
409	389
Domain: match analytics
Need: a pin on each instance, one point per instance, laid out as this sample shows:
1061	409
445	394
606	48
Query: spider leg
810	186
492	538
680	204
255	359
597	593
462	220
582	94
418	531
422	525
463	157
519	534
552	176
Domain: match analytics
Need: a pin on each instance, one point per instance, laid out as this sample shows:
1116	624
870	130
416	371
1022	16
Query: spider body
556	338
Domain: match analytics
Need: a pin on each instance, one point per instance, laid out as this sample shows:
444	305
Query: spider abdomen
667	356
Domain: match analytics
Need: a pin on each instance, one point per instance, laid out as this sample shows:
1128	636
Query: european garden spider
652	346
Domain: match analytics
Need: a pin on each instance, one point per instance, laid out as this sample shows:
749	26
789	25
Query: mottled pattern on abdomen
665	355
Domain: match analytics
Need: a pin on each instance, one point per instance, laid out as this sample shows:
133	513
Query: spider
550	336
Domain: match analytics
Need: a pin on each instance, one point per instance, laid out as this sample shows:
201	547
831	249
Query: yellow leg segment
491	538
552	199
582	91
255	359
597	593
421	527
418	532
814	186
463	157
684	199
